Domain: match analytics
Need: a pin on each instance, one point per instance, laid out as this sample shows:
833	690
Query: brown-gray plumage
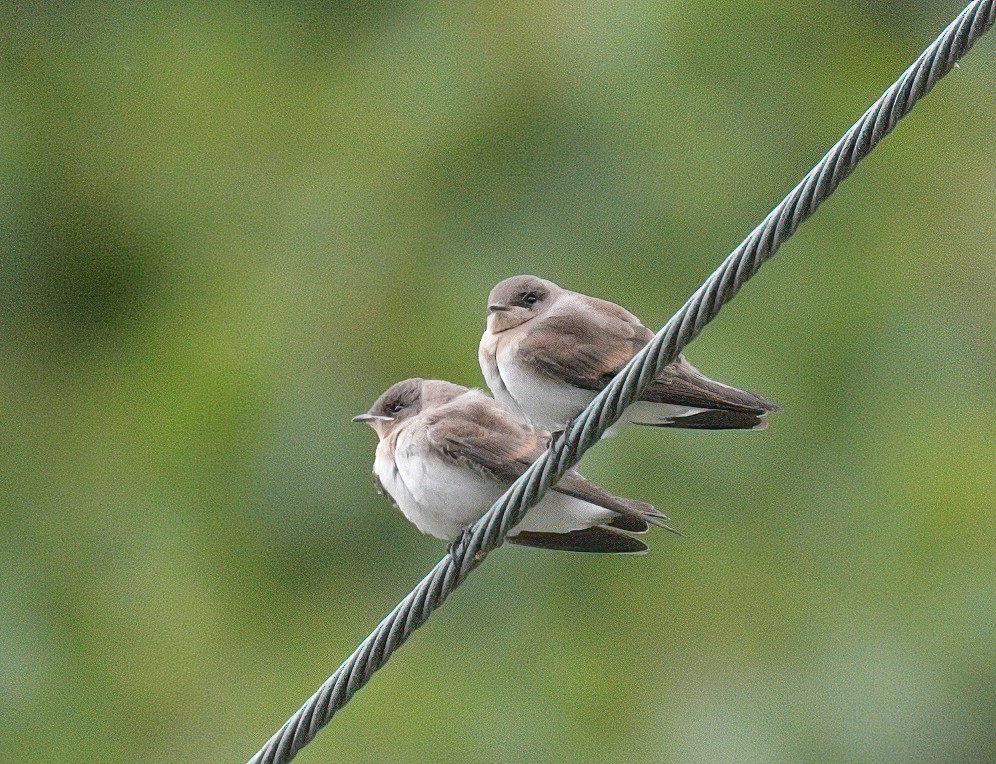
547	352
446	453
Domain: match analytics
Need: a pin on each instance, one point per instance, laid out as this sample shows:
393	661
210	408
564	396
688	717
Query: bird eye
395	407
530	298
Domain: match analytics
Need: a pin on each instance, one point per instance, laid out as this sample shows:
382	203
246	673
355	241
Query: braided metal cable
489	532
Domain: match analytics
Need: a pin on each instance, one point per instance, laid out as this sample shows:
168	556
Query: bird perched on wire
446	453
547	351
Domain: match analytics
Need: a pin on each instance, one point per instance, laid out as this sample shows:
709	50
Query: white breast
441	498
543	401
487	355
437	497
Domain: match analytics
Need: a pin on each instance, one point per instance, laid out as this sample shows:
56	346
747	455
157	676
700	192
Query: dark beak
498	308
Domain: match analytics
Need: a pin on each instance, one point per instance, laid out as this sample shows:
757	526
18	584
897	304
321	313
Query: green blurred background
227	228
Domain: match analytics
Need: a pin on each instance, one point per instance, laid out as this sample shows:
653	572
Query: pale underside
549	403
441	498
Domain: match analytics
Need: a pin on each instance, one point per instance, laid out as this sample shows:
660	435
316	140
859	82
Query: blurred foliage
228	227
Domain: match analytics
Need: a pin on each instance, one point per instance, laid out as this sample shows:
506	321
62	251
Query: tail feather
713	419
647	513
629	523
597	539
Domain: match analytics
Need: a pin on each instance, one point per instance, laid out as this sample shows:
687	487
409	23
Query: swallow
547	352
446	453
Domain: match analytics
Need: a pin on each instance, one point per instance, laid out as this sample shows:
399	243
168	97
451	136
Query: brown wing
485	437
585	343
682	384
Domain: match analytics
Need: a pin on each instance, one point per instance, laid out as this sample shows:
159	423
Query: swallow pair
446	453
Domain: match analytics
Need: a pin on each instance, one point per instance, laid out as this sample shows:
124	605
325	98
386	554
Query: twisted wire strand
566	450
